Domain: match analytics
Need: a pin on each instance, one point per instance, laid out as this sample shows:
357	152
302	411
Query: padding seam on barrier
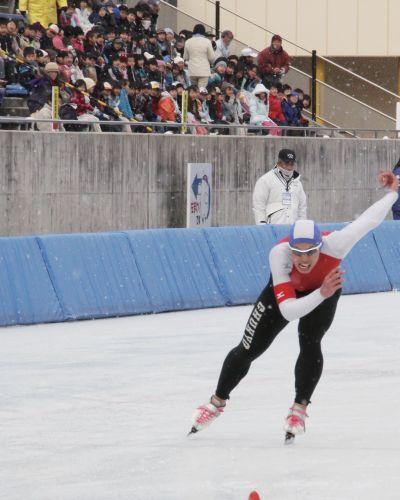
138	270
383	262
220	282
52	278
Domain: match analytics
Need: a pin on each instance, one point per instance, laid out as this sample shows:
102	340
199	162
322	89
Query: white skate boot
295	422
205	415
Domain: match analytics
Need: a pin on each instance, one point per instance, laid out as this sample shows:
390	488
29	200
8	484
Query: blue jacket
292	113
396	206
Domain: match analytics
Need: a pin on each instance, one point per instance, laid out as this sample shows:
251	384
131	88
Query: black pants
264	324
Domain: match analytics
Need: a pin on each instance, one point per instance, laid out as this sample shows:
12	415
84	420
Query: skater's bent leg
264	324
310	362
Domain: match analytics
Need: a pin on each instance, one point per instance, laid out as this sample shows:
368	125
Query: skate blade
193	430
289	438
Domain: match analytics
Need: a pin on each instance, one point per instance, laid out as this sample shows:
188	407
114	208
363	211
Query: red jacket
79	99
275	109
268	59
166	109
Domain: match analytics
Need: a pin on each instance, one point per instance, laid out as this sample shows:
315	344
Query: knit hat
178	59
89	83
305	231
54	29
51	66
248	52
260	88
276	37
220	63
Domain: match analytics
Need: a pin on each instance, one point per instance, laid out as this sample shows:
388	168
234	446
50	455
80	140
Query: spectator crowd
114	63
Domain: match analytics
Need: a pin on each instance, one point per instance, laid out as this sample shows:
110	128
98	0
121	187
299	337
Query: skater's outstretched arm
339	243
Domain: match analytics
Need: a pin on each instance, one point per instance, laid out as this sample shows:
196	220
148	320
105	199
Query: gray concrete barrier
65	182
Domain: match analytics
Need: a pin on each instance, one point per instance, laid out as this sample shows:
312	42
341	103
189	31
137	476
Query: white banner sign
199	195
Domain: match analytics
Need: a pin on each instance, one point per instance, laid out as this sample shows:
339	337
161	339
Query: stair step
12	102
14	112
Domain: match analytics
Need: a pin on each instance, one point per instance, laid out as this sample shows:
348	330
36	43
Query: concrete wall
332	27
64	182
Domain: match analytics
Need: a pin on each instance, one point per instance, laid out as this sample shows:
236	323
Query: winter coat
44	113
27	72
199	54
258	110
268	59
42	11
396	206
292	113
249	84
124	104
166	108
81	102
232	110
83	19
215	80
276	201
41	93
275	109
221	50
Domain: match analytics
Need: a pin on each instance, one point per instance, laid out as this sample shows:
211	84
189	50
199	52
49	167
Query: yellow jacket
42	11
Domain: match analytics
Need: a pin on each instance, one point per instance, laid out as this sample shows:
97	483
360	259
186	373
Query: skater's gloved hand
388	180
332	282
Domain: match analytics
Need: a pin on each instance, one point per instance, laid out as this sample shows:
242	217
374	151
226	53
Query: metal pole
314	85
217	18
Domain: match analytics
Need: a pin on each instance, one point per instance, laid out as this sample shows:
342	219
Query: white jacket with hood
258	109
277	201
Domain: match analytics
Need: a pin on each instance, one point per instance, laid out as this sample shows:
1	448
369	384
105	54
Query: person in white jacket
278	196
259	109
199	54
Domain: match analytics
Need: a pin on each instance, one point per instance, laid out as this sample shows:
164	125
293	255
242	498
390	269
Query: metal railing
161	127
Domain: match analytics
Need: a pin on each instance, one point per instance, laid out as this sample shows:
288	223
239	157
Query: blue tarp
63	277
177	268
387	238
27	294
364	270
241	260
95	275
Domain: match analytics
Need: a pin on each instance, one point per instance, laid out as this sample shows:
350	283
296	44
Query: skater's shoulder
281	249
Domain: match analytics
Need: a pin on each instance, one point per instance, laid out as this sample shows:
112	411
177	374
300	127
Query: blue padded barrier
177	268
387	238
61	277
26	292
241	259
364	270
95	275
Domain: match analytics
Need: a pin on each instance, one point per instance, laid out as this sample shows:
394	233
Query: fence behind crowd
80	276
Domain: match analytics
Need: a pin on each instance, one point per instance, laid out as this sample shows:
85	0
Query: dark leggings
264	324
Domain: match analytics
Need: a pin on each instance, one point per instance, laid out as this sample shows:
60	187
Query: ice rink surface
100	410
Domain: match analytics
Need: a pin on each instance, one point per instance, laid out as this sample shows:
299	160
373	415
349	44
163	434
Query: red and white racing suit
290	295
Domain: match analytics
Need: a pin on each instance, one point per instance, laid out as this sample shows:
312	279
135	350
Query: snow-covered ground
100	410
